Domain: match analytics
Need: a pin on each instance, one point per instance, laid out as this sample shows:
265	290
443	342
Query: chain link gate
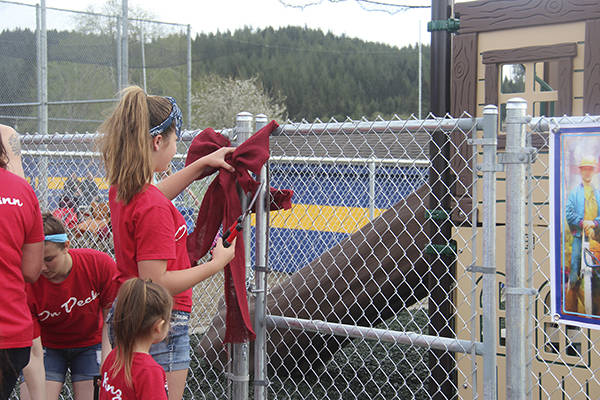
345	264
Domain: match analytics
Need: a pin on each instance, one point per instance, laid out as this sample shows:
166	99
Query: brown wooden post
441	258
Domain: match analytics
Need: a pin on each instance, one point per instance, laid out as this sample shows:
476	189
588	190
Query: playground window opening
513	78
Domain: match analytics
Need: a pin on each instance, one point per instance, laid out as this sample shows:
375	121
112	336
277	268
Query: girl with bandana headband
149	233
68	304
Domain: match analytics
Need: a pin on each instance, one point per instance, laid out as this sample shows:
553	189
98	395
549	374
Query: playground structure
545	53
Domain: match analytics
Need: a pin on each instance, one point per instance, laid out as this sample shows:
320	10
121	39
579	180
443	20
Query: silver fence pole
371	190
124	45
119	54
489	169
474	258
189	77
240	351
143	56
515	159
260	278
42	54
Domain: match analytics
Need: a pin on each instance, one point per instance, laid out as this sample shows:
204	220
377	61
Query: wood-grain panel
530	53
492	15
591	74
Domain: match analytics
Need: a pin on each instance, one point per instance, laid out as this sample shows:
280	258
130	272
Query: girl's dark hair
53	226
140	304
126	143
3	155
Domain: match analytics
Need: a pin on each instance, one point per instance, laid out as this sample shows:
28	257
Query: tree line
311	74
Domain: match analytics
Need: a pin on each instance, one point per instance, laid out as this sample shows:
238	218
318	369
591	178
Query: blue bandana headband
166	124
57	238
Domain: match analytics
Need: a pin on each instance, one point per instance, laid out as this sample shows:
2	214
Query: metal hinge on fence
450	25
518	157
480	269
521	291
442	249
237	378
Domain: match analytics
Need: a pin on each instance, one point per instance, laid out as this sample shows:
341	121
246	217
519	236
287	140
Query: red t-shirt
148	380
20	223
149	227
70	312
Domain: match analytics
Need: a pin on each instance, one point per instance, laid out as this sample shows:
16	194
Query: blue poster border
558	181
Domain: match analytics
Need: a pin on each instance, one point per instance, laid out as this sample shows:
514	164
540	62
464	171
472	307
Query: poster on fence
575	224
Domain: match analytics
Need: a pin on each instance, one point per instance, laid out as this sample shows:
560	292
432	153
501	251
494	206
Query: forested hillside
318	75
321	75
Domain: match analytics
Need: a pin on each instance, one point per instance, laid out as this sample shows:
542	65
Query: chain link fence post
515	159
42	52
260	278
124	45
489	169
189	76
240	353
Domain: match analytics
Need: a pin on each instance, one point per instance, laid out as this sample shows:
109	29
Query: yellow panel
577	86
578	106
579	59
322	218
532	36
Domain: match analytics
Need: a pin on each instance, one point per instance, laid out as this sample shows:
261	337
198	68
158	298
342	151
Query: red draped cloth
221	206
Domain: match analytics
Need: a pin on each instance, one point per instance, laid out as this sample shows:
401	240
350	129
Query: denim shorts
84	363
173	353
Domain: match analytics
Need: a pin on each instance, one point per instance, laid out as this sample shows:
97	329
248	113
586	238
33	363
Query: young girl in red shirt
129	371
69	303
149	233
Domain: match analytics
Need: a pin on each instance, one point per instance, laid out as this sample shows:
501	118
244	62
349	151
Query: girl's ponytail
140	304
126	144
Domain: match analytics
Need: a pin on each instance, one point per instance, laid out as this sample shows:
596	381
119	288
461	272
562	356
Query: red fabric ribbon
221	206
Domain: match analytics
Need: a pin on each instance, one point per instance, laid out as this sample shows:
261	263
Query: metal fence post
124	45
189	77
240	353
42	54
489	169
371	189
143	50
515	159
260	278
119	43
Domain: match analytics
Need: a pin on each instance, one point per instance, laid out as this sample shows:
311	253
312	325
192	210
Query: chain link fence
348	289
349	252
62	69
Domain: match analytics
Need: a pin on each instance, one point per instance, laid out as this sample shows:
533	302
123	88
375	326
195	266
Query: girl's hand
223	255
216	159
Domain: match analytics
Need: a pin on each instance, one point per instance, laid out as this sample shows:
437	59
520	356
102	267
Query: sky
349	17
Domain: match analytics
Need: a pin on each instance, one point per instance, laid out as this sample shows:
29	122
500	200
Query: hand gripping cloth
221	206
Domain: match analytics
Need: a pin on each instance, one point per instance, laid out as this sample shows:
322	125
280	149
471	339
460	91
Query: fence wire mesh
350	251
79	78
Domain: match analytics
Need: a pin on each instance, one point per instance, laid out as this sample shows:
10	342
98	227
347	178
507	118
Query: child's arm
178	281
174	184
